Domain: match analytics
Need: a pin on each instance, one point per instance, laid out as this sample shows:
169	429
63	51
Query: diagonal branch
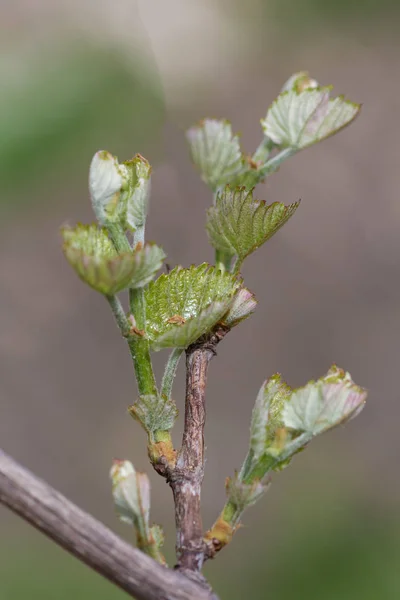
89	540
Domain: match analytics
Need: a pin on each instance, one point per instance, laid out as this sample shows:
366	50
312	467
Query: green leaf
238	224
147	260
215	151
284	421
187	303
267	414
137	192
324	404
300	119
154	413
182	335
91	253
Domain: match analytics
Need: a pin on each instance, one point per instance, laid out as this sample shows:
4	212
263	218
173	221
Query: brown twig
89	540
187	476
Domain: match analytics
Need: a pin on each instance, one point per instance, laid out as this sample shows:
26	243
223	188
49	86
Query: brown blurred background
129	77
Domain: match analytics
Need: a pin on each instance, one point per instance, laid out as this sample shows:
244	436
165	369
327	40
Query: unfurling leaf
216	152
199	295
119	191
154	413
93	256
131	493
324	404
91	253
243	305
148	260
238	224
284	421
106	179
297	119
267	414
137	192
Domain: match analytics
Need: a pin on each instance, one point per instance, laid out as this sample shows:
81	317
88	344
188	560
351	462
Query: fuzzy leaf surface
215	151
267	414
300	119
154	413
137	192
239	224
324	404
284	421
243	305
91	253
186	303
148	260
131	493
106	178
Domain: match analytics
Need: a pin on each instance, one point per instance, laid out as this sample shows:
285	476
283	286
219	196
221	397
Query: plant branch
252	473
275	162
137	345
119	315
89	540
187	476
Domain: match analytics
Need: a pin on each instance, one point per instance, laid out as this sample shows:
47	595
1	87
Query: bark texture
187	476
90	541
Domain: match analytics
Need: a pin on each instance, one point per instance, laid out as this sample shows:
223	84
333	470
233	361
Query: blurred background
129	77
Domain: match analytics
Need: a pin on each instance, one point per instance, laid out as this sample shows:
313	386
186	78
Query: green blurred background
129	77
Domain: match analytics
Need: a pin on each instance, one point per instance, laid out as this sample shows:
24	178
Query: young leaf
267	414
300	119
238	224
324	404
181	336
243	305
215	151
284	421
148	261
106	178
137	193
154	413
131	493
91	253
186	303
